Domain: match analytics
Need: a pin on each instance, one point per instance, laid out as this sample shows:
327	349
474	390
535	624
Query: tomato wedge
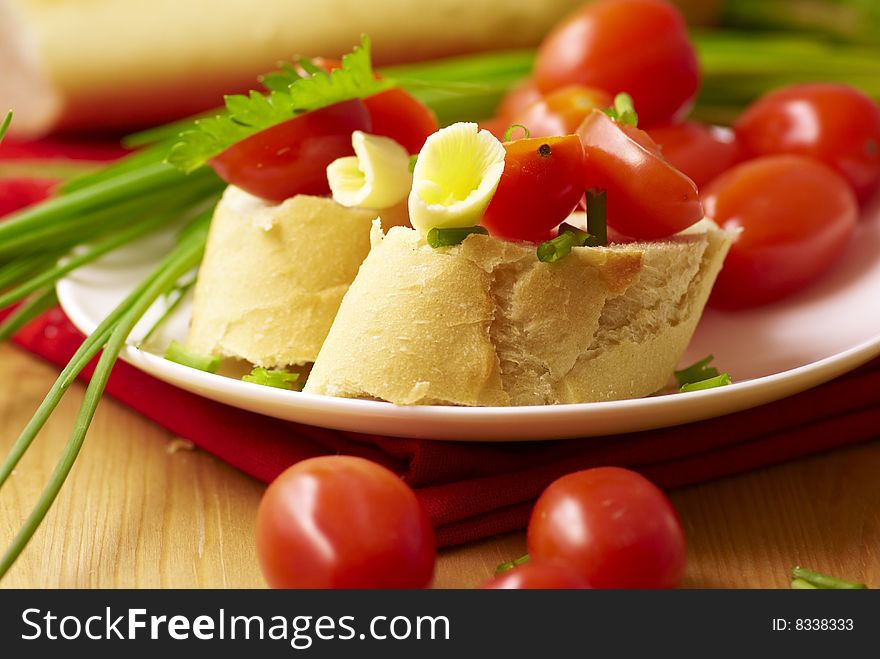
292	157
647	198
541	184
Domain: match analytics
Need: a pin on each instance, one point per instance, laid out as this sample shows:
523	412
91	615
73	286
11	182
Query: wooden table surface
142	510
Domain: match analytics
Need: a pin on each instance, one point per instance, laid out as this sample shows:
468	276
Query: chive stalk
808	579
182	259
4	126
448	237
509	565
596	223
180	354
34	306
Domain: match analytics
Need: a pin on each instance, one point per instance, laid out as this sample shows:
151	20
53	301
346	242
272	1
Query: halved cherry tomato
520	97
561	112
541	184
834	123
647	197
796	216
612	526
536	575
636	46
292	157
394	113
343	522
701	152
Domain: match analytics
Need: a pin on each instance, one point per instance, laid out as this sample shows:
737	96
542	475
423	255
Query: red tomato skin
699	151
612	526
519	98
636	46
343	522
537	575
397	114
647	198
19	193
561	111
536	192
834	123
292	157
797	217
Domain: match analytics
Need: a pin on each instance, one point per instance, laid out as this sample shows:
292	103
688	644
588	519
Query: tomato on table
541	184
647	197
561	112
831	122
796	216
343	522
636	46
701	152
612	526
536	575
291	157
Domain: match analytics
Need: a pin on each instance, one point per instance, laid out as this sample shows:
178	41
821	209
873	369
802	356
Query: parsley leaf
289	95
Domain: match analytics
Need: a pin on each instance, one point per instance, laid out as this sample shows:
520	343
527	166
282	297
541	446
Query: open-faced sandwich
498	293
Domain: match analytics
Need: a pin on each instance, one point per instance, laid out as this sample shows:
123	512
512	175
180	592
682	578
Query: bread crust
486	323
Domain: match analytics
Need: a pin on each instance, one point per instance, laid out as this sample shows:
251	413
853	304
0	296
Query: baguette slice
486	323
273	276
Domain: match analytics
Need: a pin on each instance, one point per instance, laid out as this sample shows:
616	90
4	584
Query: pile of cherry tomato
346	522
789	175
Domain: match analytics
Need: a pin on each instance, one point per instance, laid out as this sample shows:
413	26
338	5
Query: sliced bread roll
486	323
274	275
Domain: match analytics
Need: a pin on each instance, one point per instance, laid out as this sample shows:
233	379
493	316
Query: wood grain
141	510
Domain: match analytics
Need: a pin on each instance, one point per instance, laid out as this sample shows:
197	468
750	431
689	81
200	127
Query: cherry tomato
541	184
647	197
536	575
19	193
612	526
833	123
561	112
394	113
343	522
292	157
636	46
520	97
699	151
796	216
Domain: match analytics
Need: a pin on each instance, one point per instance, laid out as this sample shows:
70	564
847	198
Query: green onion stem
551	251
176	296
509	565
4	126
26	312
447	237
20	269
118	239
596	223
822	581
184	257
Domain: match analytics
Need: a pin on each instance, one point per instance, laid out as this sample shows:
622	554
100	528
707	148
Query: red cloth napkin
475	490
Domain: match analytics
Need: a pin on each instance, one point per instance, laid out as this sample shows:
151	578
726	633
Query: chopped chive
509	132
710	383
413	159
173	299
810	579
5	125
509	565
279	379
596	223
179	353
559	247
697	372
454	236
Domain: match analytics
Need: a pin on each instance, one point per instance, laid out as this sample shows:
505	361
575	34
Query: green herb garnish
279	379
697	372
5	125
454	236
179	353
803	579
596	202
289	95
709	383
509	565
623	111
559	247
509	132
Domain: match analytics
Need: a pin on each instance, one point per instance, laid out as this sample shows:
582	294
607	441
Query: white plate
770	352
